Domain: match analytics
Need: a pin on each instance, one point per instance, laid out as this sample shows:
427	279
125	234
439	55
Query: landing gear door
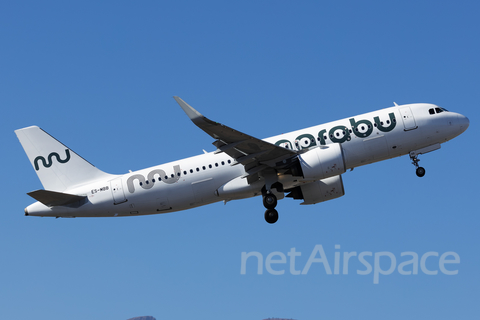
117	191
408	119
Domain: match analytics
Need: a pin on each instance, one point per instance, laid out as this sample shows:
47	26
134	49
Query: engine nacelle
319	191
323	162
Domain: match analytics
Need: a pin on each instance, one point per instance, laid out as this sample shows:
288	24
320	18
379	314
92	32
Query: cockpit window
437	110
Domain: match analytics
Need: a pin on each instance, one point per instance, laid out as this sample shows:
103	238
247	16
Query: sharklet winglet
191	113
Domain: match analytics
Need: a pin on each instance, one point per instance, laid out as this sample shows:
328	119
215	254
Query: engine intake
320	163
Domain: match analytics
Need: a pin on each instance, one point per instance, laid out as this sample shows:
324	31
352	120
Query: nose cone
463	123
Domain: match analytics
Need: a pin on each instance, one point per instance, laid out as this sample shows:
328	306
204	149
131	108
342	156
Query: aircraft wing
255	154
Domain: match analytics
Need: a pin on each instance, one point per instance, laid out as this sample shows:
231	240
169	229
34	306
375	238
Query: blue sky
100	78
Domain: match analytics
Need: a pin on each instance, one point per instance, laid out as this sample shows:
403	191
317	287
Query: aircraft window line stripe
179	174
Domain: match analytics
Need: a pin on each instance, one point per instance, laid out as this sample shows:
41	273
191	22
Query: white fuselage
194	181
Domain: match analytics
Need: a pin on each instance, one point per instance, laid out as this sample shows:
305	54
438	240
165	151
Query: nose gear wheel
420	170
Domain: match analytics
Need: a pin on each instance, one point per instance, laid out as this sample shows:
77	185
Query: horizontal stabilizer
52	198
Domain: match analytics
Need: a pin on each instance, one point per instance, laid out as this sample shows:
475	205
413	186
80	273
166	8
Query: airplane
306	164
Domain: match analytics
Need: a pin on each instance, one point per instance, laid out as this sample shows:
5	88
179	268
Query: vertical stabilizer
57	166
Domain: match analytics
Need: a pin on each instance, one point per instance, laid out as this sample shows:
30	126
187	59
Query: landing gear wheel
270	201
271	215
420	172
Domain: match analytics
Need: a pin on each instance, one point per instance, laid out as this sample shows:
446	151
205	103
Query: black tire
271	216
269	201
420	172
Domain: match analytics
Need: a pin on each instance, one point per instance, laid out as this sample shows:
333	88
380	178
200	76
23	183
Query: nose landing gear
420	170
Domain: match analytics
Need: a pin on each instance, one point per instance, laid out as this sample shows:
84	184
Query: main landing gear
420	170
270	202
271	215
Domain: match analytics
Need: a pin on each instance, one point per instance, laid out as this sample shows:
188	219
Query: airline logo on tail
50	162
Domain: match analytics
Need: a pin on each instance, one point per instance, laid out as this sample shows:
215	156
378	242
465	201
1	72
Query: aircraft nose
463	122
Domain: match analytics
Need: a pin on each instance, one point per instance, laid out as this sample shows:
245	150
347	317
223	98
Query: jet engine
318	191
320	163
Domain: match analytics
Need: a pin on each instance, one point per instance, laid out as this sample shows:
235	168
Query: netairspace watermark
384	262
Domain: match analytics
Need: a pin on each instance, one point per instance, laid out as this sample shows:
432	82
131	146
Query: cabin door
117	191
408	119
